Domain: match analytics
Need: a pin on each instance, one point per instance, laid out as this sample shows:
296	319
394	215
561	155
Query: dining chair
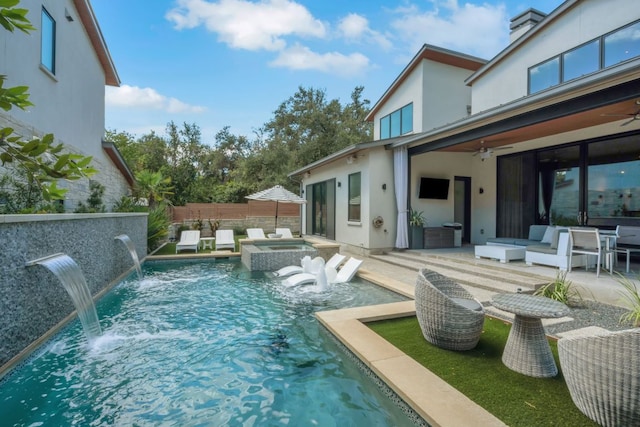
626	242
587	241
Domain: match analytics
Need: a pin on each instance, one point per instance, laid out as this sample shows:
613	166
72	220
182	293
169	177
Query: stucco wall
376	166
32	300
445	96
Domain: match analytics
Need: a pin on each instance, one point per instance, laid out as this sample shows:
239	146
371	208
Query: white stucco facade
376	168
69	103
445	141
581	23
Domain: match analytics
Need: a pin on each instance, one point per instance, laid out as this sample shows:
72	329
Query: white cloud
248	25
302	58
127	96
354	27
480	30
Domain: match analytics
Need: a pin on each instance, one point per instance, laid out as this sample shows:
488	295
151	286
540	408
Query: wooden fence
221	211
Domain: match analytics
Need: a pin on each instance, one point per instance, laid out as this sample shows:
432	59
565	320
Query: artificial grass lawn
516	399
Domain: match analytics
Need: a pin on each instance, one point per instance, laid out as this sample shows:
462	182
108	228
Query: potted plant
416	222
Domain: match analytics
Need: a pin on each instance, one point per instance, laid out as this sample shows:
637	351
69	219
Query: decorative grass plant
561	290
631	295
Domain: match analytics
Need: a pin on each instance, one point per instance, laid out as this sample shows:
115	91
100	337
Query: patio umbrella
277	194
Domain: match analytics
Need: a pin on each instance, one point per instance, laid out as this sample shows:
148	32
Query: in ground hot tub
272	254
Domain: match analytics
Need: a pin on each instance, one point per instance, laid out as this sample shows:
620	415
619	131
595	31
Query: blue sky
232	62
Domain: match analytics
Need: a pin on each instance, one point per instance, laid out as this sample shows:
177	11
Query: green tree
43	161
153	186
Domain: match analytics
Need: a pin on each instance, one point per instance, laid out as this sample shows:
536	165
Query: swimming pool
202	343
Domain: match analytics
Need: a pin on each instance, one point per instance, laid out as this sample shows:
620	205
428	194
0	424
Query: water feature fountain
132	250
70	275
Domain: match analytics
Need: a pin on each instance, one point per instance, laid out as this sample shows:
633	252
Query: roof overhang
90	23
592	100
344	153
432	53
117	159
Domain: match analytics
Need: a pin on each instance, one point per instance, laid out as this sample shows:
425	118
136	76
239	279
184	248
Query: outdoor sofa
545	245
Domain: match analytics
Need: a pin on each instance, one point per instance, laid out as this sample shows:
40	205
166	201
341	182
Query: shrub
632	296
561	290
157	227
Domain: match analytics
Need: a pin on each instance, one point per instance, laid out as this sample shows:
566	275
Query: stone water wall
32	299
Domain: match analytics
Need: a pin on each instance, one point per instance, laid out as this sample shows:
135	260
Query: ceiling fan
634	116
485	152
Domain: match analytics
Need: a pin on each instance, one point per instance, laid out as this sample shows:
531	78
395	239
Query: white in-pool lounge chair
333	262
225	240
189	239
284	233
309	276
346	273
255	233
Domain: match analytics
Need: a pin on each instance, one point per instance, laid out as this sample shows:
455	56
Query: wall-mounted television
434	188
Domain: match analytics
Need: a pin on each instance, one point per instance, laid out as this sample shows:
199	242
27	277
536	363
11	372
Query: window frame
48	44
400	119
354	218
602	63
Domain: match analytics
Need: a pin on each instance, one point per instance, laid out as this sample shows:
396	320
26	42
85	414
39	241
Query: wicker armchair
603	375
449	316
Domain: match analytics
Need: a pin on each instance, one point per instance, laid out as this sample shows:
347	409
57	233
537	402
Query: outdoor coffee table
527	350
504	253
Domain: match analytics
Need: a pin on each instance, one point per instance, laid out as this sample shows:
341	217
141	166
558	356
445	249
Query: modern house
547	131
66	64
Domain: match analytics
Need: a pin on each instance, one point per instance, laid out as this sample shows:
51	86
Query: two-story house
66	64
547	131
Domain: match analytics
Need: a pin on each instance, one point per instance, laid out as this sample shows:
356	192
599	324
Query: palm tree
153	186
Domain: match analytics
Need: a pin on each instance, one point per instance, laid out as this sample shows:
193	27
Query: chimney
522	23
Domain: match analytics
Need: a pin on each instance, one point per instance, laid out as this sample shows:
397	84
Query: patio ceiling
620	111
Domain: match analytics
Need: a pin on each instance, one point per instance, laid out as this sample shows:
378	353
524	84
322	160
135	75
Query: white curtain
401	178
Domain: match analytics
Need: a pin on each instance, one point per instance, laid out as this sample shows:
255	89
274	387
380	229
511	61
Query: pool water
202	344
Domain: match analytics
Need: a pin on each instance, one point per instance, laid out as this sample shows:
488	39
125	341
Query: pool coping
437	402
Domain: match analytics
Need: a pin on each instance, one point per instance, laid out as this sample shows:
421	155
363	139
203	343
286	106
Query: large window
397	123
602	52
354	197
48	42
622	45
580	61
544	75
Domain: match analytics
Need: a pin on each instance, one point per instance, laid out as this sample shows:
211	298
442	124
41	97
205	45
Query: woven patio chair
449	316
603	375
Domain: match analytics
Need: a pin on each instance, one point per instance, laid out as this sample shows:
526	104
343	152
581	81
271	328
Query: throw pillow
548	235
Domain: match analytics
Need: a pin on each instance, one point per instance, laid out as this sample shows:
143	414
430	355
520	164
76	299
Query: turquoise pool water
202	344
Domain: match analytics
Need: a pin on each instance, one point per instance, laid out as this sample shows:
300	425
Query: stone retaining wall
32	299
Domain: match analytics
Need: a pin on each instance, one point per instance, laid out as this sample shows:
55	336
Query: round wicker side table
527	350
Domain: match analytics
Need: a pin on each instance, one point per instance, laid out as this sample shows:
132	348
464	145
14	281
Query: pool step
467	271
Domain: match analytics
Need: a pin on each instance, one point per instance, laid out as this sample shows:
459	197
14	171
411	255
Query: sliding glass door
321	208
594	183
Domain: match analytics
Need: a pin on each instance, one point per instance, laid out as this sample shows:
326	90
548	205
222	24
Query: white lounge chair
189	239
225	240
346	273
285	233
255	233
333	262
309	276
